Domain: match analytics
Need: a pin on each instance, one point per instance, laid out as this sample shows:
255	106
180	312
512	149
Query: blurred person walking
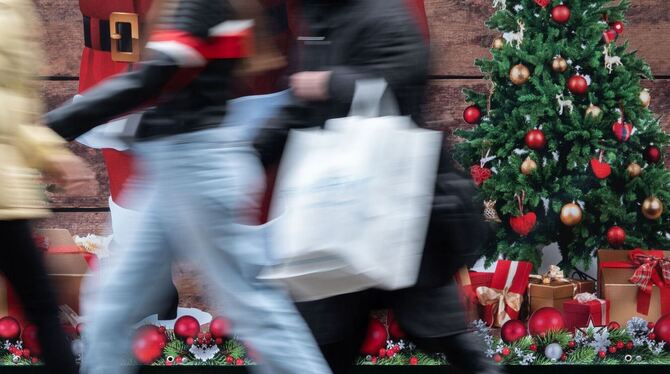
205	186
27	147
342	42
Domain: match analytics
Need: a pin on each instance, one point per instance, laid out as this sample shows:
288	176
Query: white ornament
500	4
611	61
553	351
562	104
515	38
518	8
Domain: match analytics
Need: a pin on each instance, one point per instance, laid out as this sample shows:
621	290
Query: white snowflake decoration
204	353
601	340
518	8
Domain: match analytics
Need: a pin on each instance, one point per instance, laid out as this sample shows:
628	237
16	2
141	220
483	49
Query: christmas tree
564	148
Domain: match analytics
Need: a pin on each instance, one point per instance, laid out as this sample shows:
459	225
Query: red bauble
472	114
630	345
612	349
506	351
652	154
578	85
187	327
601	169
375	338
31	341
513	330
480	174
230	360
620	345
662	329
651	325
602	354
618	27
219	327
10	328
413	361
524	224
535	139
616	236
396	331
622	131
609	36
497	358
148	344
560	14
545	320
239	362
572	344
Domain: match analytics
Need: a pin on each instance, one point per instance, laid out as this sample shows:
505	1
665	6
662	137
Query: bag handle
373	98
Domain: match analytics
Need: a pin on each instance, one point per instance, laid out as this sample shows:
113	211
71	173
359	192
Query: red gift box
579	311
508	284
468	282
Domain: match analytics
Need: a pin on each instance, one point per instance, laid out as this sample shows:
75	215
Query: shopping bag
352	201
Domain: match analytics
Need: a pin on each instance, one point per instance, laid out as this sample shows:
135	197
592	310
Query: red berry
208	336
650	325
506	351
189	341
533	348
239	362
201	335
620	345
652	336
26	353
35	360
218	341
497	358
612	349
572	344
168	363
230	359
564	357
602	354
178	360
413	361
630	345
390	353
373	360
382	352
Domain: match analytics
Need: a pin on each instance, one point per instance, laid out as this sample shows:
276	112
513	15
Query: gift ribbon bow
500	300
553	274
651	270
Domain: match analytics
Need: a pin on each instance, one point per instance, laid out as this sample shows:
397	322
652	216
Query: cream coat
25	146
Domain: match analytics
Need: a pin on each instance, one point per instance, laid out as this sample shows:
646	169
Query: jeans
205	190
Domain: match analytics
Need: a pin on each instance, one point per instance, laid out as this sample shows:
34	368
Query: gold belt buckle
132	19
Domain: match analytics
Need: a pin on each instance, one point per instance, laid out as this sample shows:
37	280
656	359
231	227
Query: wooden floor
458	34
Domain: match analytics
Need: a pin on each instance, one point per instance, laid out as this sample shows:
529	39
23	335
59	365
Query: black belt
101	40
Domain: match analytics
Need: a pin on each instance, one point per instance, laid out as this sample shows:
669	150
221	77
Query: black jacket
354	39
187	93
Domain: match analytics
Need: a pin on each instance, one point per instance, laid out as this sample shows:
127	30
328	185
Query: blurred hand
71	173
311	85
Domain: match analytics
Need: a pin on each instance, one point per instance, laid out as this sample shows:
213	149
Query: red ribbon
650	269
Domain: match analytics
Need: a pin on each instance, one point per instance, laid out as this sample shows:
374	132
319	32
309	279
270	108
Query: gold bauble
645	98
528	166
571	214
593	111
498	43
634	170
559	64
519	74
652	208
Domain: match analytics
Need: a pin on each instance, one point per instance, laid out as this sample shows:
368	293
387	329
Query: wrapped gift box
509	283
468	281
578	313
556	293
615	270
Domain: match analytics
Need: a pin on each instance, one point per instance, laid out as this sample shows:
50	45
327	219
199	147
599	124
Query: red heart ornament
543	3
480	174
601	169
622	131
524	224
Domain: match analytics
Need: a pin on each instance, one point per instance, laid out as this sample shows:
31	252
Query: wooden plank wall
458	38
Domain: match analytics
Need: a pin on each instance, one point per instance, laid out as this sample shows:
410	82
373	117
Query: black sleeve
113	98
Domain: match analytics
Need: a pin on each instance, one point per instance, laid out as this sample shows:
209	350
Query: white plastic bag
352	201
